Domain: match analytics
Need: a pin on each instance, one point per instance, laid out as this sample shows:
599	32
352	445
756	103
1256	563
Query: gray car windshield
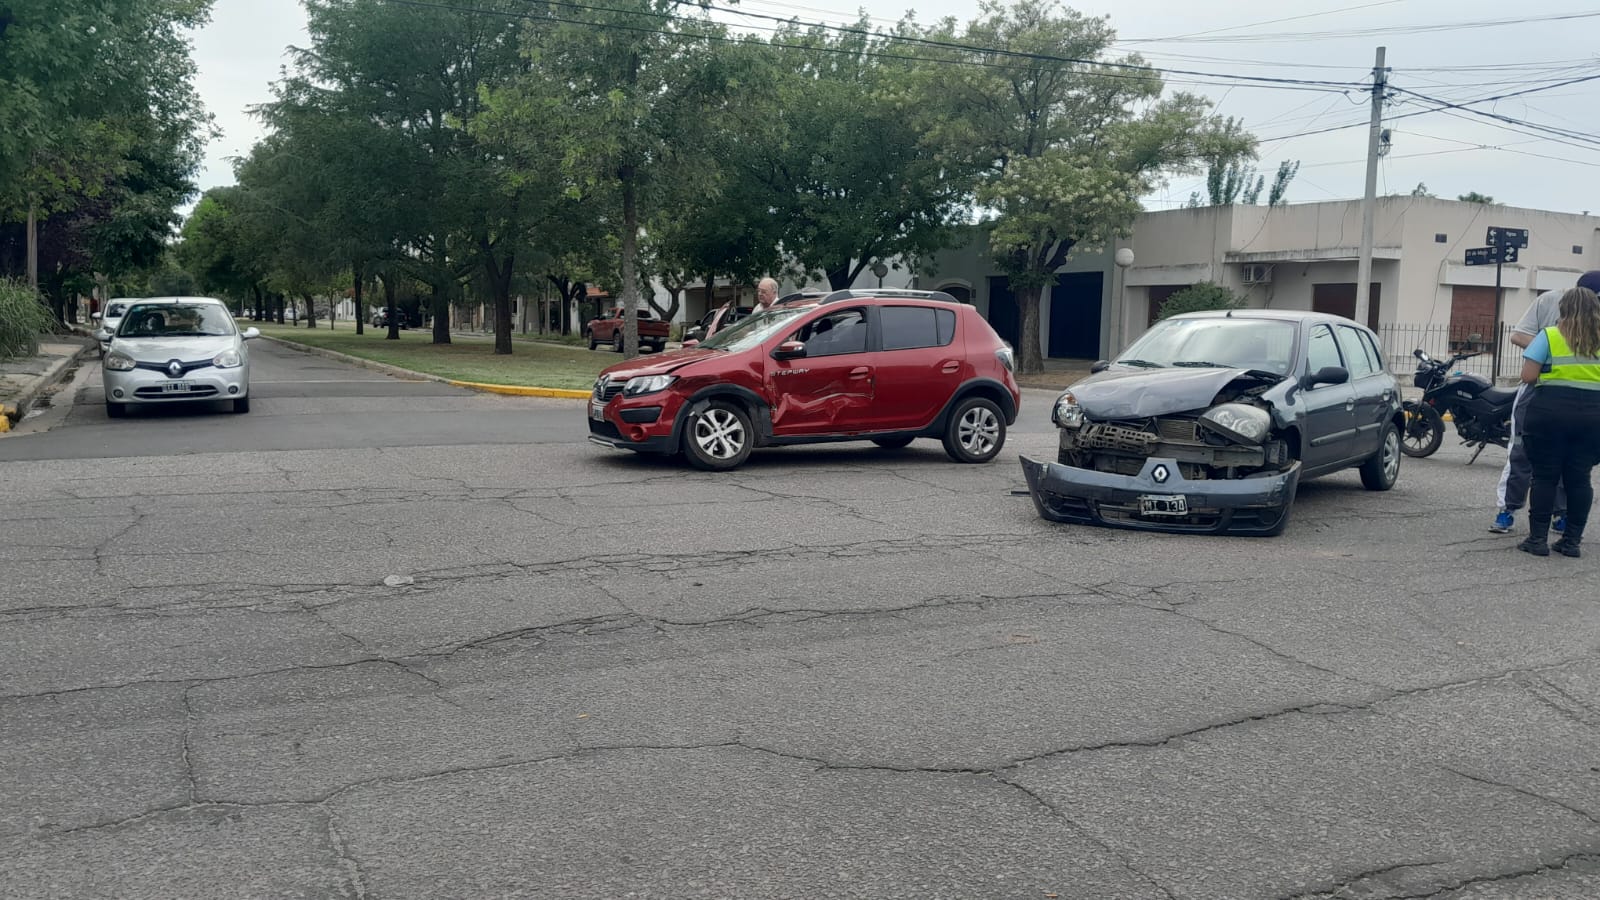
1229	343
176	320
751	332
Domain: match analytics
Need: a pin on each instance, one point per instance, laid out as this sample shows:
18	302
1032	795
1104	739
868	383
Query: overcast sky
242	52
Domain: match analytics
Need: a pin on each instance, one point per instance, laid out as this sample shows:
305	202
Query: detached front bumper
1244	506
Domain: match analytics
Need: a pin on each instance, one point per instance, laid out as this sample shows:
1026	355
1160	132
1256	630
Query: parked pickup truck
607	329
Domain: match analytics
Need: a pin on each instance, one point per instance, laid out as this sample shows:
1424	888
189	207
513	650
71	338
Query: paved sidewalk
23	380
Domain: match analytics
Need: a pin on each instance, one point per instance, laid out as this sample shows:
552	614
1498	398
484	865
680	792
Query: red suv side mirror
789	350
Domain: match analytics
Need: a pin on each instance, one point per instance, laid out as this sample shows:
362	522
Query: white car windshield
751	332
176	320
116	310
1226	343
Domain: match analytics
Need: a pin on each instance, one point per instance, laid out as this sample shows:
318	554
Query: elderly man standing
766	293
1512	491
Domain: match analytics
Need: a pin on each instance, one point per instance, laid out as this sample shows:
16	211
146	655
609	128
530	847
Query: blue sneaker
1503	522
1559	526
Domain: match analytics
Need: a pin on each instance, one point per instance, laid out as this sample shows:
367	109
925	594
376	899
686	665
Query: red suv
887	366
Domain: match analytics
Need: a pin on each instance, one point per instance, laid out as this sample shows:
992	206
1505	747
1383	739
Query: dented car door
830	389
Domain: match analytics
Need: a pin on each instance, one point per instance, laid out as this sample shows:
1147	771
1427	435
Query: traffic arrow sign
1506	237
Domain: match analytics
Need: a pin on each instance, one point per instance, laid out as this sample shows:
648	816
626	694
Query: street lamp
1123	258
880	270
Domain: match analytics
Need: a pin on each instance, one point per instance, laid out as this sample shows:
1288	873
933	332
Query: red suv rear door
920	363
830	390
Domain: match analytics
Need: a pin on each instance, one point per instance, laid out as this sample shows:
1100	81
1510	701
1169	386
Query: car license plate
1164	505
597	411
175	387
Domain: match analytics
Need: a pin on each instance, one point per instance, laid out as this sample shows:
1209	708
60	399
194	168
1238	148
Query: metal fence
1399	339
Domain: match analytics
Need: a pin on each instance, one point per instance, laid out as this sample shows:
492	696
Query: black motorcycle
1481	411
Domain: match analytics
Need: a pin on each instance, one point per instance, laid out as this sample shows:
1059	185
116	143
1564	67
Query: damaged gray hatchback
1209	422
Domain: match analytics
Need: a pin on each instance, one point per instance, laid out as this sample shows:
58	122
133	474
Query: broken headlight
1067	414
1239	422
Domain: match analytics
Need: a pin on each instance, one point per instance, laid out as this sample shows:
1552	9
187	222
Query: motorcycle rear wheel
1424	430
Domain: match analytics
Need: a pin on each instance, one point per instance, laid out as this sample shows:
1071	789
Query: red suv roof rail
889	293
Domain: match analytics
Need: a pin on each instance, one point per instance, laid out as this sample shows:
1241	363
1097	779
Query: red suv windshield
747	333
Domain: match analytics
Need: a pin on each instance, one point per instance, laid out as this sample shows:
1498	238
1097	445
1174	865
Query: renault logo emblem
175	369
1160	474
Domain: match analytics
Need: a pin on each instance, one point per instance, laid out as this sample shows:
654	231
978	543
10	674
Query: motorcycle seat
1499	396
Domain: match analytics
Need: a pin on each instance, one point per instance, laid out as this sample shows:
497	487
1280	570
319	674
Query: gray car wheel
1382	469
976	431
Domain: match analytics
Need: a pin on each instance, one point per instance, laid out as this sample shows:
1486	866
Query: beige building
1304	257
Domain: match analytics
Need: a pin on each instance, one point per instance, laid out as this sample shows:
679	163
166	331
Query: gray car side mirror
1328	375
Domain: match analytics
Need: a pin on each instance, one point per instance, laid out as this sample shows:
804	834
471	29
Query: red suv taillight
1007	357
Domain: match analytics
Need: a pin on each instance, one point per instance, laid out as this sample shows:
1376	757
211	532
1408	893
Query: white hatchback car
176	349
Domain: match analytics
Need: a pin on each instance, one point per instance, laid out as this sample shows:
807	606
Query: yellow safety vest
1567	370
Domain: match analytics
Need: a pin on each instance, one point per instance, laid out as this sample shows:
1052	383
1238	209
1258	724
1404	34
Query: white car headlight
227	359
1242	423
1067	414
117	362
647	384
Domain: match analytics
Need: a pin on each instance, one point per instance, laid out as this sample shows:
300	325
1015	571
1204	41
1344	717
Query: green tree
408	81
831	159
1067	143
1475	197
100	134
1199	297
631	80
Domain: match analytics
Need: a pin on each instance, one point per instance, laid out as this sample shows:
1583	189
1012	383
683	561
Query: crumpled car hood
658	363
1142	393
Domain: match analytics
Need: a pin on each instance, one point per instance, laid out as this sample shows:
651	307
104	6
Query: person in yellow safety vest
1563	425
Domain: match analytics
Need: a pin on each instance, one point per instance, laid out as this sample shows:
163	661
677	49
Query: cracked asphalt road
837	672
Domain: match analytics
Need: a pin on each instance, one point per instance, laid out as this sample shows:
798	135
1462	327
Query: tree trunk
500	283
630	250
361	313
394	317
261	304
839	278
311	311
1029	360
711	292
671	310
439	308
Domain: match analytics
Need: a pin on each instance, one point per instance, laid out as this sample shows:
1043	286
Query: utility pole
1380	81
33	244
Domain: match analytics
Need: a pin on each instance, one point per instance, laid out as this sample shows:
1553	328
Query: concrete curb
13	412
513	390
519	391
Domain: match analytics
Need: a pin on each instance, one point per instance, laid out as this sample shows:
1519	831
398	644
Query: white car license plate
1164	505
597	411
175	387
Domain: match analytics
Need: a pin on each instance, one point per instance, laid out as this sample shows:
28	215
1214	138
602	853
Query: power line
1222	79
1444	105
950	45
1326	12
1367	32
1571	135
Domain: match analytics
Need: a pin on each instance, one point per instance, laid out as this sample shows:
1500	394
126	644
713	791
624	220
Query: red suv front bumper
646	423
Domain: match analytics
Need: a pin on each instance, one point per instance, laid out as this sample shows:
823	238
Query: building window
1471	317
1440	238
1339	299
1577	249
1158	295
